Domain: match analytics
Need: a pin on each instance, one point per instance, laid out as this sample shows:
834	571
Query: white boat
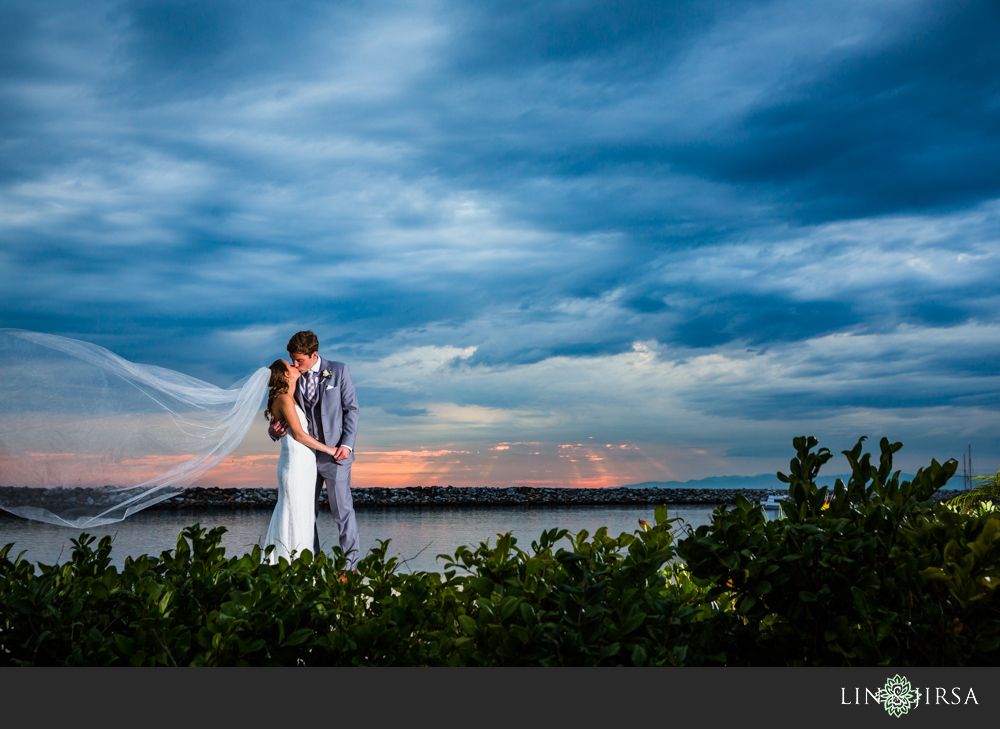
772	507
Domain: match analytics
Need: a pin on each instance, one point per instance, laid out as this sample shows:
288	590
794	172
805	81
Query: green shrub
605	601
874	573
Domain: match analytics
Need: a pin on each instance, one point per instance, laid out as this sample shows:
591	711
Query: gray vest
313	419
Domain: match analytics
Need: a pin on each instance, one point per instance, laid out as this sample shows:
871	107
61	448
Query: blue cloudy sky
573	243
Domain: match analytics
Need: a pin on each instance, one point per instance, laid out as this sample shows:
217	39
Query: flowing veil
88	438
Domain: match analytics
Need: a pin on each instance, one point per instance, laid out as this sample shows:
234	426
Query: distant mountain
760	481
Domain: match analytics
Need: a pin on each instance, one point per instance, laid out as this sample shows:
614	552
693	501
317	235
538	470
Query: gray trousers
338	488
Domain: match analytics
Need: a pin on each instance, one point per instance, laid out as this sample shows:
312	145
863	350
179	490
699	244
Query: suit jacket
333	420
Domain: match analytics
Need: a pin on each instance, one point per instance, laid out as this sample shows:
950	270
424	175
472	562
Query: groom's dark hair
303	343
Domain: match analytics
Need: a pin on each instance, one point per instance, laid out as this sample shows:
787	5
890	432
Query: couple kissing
313	411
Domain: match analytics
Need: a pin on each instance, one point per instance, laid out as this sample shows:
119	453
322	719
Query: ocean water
417	534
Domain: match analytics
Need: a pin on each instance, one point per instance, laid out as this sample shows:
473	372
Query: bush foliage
873	572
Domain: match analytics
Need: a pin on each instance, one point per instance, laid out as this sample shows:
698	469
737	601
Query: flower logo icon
898	696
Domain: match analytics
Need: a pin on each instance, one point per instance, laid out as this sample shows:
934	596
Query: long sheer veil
89	438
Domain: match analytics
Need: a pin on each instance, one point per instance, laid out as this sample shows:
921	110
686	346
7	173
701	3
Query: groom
325	392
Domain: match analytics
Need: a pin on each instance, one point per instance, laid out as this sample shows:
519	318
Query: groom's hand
277	428
341	453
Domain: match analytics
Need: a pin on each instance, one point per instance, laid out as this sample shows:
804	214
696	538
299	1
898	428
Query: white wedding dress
293	522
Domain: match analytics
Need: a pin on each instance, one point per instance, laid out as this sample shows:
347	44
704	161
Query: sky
557	243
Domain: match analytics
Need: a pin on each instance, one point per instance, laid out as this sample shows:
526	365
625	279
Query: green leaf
468	624
123	644
508	606
527	614
660	515
611	649
164	602
299	636
253	646
633	622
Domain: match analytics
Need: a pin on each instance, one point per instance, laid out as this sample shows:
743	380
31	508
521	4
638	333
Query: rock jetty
60	499
432	496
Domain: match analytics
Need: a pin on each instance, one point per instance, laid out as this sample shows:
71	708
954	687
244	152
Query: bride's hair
278	384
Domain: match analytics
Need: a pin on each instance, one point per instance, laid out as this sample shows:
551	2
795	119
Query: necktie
309	394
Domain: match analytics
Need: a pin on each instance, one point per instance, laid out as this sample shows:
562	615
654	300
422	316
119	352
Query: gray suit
333	420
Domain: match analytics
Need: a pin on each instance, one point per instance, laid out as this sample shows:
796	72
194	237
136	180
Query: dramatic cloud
687	230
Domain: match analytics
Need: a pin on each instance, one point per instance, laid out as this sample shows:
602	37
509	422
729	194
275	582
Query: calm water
417	534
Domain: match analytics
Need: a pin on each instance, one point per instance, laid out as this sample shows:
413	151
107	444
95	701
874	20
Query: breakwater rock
432	496
62	499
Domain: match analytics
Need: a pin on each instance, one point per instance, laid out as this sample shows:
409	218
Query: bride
96	438
293	521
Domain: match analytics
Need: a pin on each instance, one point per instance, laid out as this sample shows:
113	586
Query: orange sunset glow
585	464
539	464
383	459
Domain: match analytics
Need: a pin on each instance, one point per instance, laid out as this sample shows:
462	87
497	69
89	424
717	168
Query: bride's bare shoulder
285	401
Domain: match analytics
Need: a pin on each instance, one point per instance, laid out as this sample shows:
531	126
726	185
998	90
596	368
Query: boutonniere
327	374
